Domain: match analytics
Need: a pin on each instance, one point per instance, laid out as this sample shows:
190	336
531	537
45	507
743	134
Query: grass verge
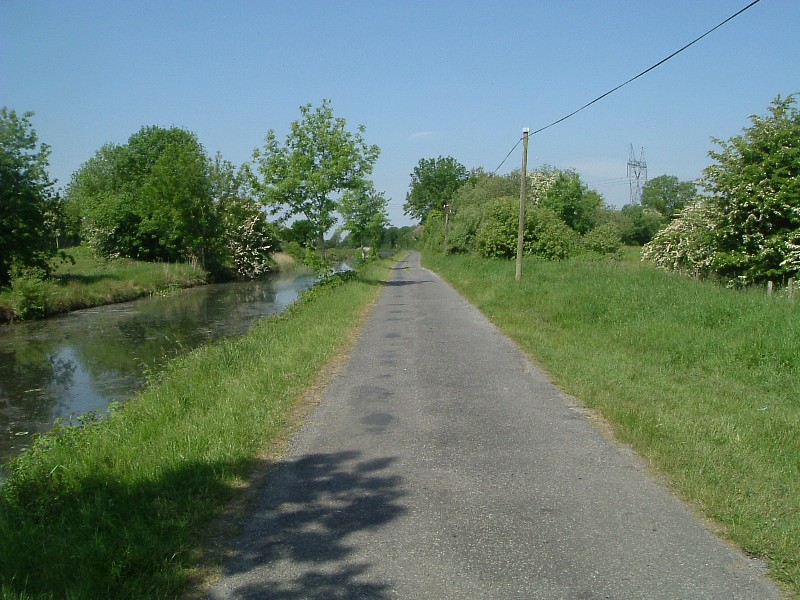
117	509
93	281
701	380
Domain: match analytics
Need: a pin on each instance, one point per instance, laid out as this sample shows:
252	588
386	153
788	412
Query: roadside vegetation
118	508
677	344
699	379
87	281
744	229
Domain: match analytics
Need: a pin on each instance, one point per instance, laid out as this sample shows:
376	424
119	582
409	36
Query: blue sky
426	78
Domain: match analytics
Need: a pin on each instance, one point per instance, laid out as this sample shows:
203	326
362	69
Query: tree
748	229
572	200
318	159
25	189
434	181
755	190
638	224
249	239
687	244
668	195
364	213
150	199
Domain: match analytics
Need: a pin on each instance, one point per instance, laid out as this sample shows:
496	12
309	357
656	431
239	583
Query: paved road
442	464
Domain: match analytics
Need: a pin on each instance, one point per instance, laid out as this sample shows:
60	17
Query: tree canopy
668	195
25	189
318	159
434	182
160	197
364	212
149	199
748	229
570	198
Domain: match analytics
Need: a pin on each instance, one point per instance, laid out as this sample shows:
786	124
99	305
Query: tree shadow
401	282
298	542
396	282
97	536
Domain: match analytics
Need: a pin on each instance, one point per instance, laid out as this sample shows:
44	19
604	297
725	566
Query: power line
658	64
519	141
632	79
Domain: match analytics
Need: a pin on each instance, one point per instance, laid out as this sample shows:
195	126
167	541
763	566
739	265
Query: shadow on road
298	545
406	282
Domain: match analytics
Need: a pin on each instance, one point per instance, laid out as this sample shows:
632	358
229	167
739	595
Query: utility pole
522	182
446	225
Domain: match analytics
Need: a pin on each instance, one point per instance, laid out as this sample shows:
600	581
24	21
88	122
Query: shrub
603	239
686	245
496	237
755	187
30	293
464	228
546	235
433	232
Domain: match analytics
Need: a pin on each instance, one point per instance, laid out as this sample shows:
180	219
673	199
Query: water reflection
69	365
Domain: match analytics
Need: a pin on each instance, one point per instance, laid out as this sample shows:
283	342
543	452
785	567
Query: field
702	381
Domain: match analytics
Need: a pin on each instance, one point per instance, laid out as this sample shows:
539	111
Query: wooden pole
523	180
446	225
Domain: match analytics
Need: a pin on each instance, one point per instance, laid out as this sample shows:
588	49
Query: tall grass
701	380
93	281
115	509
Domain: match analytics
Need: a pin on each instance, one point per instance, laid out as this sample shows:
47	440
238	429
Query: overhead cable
658	64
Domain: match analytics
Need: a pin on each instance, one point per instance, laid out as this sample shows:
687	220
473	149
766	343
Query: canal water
64	367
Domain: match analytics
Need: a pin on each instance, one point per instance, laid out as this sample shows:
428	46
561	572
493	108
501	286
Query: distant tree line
744	228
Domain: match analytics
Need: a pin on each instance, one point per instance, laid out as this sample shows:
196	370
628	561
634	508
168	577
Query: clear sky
426	78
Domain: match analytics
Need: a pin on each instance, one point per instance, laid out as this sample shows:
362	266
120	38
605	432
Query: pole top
526	130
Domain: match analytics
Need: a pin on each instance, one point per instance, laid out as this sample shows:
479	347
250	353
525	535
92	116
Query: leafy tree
149	199
686	245
546	235
572	201
434	182
668	195
25	189
248	239
638	224
748	229
318	159
175	205
364	213
755	191
300	231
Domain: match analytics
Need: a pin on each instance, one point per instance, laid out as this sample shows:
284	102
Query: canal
64	367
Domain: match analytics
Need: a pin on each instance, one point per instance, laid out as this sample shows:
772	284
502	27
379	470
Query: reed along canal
67	366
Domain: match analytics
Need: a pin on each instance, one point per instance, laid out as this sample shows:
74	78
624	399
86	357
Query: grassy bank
93	281
117	509
701	380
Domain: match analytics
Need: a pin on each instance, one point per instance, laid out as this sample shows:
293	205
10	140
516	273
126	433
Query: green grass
117	509
93	281
701	380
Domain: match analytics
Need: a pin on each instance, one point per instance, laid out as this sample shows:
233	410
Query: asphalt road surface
442	464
